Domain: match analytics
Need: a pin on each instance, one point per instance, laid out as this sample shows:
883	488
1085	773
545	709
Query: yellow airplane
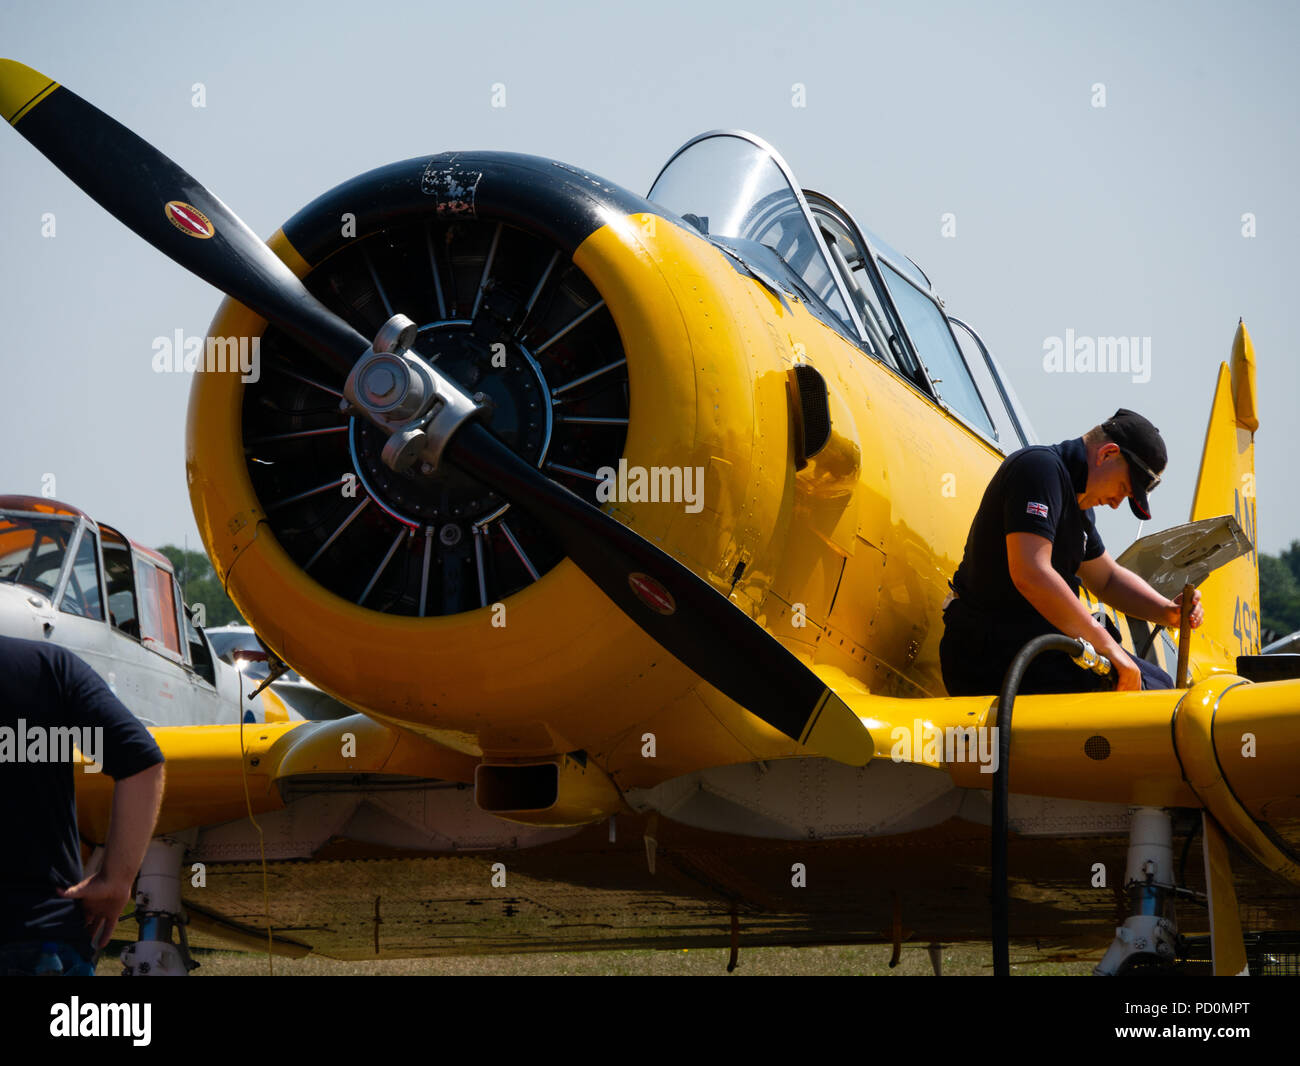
625	525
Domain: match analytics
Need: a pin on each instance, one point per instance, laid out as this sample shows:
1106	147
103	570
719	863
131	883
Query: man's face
1109	479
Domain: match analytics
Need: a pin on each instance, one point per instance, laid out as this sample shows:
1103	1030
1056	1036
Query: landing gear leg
1147	937
158	910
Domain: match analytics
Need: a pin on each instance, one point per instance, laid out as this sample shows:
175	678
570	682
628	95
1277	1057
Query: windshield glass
729	186
898	260
33	549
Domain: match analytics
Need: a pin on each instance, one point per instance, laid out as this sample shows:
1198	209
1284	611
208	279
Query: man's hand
135	811
1128	678
102	902
1176	611
1125	591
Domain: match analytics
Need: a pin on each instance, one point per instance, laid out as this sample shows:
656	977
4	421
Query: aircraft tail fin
1226	485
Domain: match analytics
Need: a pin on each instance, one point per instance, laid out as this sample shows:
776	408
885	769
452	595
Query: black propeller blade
151	195
679	610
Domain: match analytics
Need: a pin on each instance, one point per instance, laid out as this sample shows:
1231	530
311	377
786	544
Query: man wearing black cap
1033	542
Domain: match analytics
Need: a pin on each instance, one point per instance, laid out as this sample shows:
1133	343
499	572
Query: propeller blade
156	199
682	612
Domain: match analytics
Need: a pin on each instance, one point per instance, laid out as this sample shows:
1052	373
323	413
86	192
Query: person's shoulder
1035	459
17	653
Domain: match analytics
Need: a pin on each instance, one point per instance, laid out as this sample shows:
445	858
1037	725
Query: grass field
966	959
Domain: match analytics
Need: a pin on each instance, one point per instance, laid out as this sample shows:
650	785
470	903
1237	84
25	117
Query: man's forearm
1127	592
136	800
1029	561
1051	597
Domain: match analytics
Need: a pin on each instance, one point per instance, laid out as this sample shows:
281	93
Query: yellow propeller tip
836	732
21	89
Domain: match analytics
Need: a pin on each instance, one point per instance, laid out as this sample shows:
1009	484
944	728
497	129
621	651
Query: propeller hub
417	405
392	416
379	385
392	387
511	391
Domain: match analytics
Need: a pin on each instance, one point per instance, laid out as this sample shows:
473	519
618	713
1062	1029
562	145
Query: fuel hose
1082	653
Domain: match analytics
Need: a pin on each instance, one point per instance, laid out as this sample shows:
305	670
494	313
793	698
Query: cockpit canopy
91	571
737	191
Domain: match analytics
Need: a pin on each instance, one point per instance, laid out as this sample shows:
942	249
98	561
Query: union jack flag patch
1039	509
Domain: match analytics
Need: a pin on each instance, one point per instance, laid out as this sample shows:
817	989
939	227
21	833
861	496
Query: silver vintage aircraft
81	584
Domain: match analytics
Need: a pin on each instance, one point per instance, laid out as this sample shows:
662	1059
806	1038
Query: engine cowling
599	332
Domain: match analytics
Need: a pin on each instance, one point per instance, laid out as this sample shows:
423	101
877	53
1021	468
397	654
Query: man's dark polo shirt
1035	490
47	686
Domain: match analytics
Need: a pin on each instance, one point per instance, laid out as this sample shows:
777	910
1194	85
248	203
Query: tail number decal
1245	627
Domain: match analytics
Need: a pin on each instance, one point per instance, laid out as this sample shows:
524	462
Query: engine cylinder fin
383	565
335	535
379	285
299	434
305	380
479	534
564	331
437	279
578	420
487	270
584	474
523	557
541	282
336	483
576	382
424	570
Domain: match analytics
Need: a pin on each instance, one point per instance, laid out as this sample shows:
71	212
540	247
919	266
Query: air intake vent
534	787
814	408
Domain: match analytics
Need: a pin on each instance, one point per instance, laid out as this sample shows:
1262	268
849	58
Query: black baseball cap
1142	446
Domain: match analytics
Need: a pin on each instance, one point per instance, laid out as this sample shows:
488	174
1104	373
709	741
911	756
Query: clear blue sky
1115	221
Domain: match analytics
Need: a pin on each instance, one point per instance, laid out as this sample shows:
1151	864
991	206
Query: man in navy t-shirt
1032	543
49	701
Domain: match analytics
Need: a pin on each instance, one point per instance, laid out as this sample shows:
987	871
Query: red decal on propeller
189	219
651	593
